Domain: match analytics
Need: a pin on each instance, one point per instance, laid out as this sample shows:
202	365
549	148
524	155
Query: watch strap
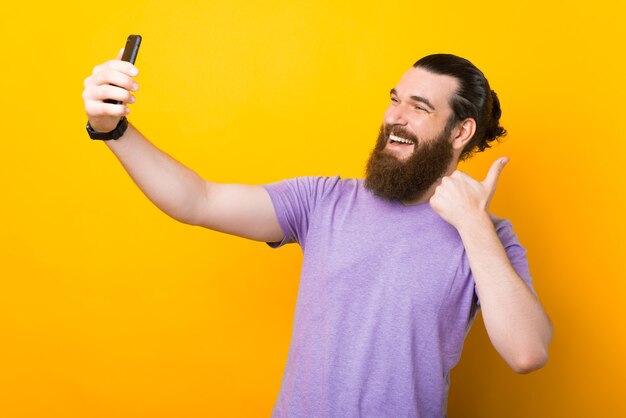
114	134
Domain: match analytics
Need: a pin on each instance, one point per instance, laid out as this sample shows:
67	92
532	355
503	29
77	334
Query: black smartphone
130	54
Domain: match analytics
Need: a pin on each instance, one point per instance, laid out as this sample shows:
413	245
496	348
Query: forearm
517	324
172	187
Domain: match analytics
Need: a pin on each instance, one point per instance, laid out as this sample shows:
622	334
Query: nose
395	115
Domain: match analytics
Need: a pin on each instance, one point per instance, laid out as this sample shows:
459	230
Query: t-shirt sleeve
294	201
515	251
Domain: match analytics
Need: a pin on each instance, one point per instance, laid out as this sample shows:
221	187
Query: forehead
436	88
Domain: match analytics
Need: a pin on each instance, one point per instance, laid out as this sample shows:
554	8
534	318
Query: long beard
390	178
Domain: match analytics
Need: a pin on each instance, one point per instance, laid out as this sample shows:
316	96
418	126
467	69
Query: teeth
398	139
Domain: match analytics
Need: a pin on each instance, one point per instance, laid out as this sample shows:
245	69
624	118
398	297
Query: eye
394	99
420	108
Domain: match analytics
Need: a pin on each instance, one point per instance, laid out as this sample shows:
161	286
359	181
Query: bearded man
396	265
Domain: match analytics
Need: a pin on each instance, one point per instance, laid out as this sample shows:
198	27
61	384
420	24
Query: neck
425	197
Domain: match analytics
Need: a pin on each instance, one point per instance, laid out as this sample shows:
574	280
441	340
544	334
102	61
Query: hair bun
494	130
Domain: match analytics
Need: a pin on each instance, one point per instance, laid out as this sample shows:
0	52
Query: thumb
491	180
119	54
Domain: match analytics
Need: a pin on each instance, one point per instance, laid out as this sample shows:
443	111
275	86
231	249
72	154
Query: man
395	265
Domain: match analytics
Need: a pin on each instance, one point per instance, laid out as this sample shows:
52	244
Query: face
414	147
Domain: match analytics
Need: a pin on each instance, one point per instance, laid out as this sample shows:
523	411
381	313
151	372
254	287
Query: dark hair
473	99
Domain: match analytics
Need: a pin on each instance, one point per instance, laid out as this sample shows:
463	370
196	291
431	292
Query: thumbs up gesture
459	198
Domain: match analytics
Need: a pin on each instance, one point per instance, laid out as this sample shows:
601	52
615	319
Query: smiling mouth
394	139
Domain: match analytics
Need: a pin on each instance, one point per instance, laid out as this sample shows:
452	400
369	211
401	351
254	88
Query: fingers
107	76
111	80
100	109
491	180
117	65
107	91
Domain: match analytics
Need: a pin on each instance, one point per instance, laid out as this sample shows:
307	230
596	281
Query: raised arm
518	326
241	210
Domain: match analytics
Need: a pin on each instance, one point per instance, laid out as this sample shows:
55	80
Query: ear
462	134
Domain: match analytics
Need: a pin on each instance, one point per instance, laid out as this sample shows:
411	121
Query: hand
459	198
102	116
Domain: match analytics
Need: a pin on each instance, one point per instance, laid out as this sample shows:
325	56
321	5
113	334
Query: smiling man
396	265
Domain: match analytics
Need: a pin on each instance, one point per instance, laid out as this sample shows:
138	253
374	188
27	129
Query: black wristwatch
114	134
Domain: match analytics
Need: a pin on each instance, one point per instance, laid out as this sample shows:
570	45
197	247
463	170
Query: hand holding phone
130	55
106	105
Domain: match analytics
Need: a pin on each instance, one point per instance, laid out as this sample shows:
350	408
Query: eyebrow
416	98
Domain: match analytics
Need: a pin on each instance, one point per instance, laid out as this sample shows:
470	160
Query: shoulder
498	222
505	231
313	185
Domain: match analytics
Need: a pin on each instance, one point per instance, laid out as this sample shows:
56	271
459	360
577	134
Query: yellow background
108	308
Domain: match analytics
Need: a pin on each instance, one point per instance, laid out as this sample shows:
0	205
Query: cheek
421	125
426	129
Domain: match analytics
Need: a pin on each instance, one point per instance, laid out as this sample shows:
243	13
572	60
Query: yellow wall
108	308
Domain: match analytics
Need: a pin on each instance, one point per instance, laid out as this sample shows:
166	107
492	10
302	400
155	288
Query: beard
391	178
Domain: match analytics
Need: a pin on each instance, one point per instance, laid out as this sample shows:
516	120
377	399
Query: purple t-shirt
385	300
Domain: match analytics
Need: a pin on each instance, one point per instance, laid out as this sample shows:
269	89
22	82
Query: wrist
103	123
475	223
115	133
